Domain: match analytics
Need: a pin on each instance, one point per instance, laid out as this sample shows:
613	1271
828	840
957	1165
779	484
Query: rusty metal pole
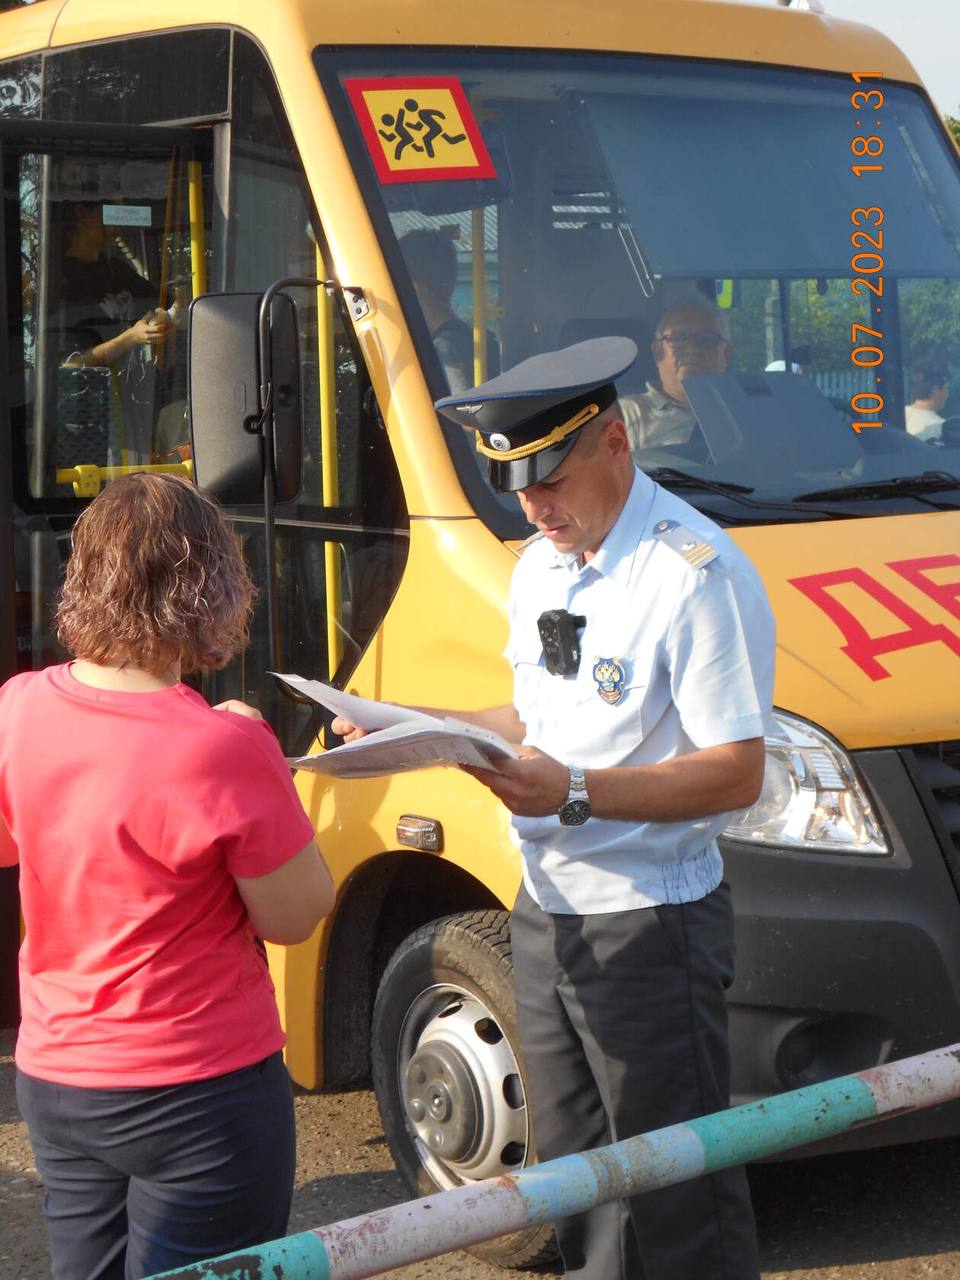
377	1242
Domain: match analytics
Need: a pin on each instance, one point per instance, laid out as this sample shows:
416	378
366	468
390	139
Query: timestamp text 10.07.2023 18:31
866	240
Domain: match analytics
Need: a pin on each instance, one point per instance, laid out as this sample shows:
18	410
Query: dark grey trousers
623	1028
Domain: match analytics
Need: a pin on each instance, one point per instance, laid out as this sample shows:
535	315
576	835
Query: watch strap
577	789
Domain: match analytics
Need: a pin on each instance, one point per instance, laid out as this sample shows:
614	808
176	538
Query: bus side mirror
224	365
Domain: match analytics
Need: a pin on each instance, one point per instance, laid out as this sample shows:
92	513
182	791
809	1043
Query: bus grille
935	769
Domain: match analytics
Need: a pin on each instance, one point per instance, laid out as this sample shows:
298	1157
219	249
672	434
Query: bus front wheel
446	1068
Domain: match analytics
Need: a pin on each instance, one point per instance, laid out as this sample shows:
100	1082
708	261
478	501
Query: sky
927	31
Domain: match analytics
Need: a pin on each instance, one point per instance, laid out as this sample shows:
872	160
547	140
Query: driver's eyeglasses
682	338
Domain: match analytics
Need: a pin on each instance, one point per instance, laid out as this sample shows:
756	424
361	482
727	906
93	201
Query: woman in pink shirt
158	839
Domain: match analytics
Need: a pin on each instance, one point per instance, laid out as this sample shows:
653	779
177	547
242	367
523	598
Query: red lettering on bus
946	594
861	647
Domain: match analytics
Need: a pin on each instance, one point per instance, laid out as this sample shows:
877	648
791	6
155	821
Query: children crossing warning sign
420	130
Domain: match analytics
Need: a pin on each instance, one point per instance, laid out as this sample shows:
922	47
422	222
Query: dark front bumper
847	962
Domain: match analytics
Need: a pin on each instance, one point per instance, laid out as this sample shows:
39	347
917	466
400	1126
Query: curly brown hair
156	573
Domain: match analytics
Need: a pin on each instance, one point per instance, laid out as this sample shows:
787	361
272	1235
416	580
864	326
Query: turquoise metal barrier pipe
405	1233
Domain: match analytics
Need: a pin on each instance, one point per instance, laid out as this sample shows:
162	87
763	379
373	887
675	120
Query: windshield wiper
925	482
735	492
686	480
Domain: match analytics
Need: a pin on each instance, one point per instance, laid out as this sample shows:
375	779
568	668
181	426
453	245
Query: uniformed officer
642	646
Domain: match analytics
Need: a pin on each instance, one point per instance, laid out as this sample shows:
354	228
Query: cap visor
508	477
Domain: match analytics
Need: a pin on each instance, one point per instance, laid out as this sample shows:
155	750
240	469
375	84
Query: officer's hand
530	787
344	729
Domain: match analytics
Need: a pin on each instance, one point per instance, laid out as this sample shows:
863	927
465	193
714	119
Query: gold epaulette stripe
554	437
696	555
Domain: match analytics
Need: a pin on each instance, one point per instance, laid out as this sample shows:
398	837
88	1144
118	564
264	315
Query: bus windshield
783	247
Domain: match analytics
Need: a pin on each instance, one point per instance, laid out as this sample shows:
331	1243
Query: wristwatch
575	810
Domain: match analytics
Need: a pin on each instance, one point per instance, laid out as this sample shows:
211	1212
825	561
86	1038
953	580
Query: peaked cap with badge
527	419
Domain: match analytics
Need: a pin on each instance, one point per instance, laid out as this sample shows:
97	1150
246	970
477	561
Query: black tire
426	1008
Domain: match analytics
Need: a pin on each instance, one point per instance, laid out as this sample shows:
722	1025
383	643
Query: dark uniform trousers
623	1028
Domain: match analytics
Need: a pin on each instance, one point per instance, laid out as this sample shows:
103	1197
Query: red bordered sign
419	130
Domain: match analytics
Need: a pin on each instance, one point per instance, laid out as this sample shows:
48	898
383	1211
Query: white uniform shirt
923	423
697	648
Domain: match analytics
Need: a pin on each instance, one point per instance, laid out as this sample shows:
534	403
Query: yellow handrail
477	233
87	478
329	467
198	259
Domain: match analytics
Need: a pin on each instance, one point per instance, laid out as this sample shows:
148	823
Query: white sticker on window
127	215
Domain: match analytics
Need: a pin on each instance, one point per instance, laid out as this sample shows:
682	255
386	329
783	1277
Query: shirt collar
615	556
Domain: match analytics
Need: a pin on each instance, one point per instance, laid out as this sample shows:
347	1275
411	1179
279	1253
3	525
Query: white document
404	739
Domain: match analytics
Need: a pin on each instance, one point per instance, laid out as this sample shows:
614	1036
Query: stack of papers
398	738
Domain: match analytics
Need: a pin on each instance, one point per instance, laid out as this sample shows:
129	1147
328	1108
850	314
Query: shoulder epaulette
685	543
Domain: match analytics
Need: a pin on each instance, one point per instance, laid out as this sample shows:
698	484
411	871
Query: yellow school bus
451	189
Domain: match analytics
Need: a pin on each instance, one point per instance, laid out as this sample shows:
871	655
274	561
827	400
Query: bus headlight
811	798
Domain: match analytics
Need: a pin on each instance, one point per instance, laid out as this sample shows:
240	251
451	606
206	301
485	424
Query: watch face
575	813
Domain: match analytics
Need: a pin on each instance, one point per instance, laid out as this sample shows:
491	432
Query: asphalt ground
888	1214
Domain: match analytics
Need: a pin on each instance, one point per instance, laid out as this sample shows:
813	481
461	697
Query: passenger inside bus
800	359
929	388
110	331
691	337
431	259
100	292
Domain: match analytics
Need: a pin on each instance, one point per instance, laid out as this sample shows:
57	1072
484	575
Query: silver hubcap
461	1088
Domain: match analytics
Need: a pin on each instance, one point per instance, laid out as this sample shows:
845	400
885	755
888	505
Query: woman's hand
239	708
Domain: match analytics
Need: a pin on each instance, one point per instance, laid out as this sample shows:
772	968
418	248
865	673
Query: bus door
101	226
